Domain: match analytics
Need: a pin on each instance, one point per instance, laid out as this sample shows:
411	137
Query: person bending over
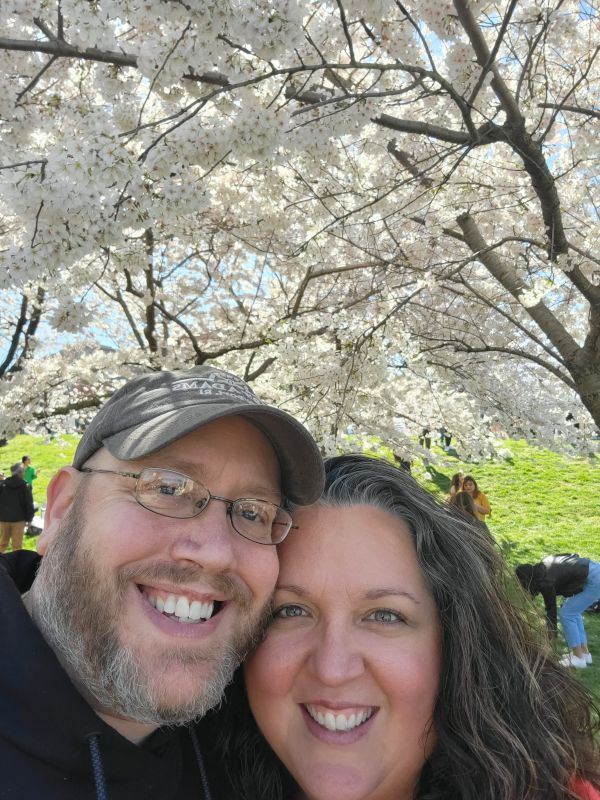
578	580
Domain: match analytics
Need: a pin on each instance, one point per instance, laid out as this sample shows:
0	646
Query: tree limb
505	274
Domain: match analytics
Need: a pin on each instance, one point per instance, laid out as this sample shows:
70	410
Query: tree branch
461	347
588	112
14	339
517	136
150	326
505	274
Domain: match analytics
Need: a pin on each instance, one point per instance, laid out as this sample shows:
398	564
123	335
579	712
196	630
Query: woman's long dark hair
510	723
456	482
465	504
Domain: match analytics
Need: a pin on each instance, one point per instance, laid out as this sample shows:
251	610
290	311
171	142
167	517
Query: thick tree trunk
585	371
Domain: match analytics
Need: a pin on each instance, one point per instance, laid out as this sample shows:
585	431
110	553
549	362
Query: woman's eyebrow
376	594
373	594
292	589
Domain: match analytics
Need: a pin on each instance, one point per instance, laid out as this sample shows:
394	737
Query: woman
396	667
456	484
482	504
577	579
464	503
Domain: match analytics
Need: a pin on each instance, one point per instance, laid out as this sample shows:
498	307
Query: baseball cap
155	409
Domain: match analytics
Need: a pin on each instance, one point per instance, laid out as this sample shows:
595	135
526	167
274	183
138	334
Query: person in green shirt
30	473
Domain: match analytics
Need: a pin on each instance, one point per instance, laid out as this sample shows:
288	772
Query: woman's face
469	487
345	683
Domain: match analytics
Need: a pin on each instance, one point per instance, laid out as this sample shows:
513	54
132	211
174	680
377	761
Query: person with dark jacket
16	508
158	564
573	577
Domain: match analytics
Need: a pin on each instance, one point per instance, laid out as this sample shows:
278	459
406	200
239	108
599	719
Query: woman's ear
61	492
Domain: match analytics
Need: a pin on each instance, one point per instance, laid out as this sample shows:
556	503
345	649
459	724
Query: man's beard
78	611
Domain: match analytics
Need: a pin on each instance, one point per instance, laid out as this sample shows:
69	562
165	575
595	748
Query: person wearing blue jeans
573	577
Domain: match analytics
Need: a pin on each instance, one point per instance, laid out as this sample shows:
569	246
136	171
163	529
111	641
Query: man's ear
61	492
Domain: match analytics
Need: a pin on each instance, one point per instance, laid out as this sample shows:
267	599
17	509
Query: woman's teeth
180	607
339	722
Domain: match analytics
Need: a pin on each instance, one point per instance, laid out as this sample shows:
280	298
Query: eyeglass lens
175	495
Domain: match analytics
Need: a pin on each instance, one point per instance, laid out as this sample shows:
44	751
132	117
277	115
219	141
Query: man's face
112	572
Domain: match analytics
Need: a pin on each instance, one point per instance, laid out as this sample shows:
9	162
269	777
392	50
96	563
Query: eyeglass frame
229	503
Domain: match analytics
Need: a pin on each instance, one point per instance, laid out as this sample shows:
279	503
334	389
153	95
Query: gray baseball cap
155	409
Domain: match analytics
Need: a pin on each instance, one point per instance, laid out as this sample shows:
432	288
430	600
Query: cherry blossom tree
385	214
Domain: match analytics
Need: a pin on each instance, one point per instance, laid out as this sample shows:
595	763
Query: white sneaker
588	658
571	660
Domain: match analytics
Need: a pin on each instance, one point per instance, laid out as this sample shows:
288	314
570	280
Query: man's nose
208	539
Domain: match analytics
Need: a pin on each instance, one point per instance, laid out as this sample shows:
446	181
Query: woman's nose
336	657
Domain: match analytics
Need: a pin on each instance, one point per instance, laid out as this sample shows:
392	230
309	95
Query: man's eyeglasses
173	494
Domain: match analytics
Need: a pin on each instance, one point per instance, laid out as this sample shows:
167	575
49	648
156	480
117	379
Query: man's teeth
180	607
339	722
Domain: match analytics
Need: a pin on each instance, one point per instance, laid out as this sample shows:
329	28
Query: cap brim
301	463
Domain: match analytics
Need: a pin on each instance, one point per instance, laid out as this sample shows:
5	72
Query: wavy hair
510	723
456	482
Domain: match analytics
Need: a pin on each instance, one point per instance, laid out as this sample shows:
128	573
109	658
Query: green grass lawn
542	502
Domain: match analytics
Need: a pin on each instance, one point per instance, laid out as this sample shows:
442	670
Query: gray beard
77	613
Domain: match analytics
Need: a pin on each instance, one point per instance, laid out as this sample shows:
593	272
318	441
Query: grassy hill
47	456
542	502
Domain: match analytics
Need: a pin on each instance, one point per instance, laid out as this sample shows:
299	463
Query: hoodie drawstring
98	770
200	760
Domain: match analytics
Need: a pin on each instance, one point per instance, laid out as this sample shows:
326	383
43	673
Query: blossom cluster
284	187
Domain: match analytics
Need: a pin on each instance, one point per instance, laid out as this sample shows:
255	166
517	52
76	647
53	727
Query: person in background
577	579
482	504
465	505
445	437
16	509
29	472
397	666
401	460
456	483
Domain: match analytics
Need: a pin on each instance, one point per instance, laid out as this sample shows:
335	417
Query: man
30	473
156	574
16	508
